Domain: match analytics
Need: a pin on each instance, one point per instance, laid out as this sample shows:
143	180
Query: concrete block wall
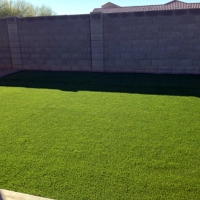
5	56
144	42
55	43
152	42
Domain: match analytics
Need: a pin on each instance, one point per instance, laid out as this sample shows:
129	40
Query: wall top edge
178	12
49	18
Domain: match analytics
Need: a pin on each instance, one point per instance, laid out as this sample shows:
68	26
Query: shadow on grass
181	85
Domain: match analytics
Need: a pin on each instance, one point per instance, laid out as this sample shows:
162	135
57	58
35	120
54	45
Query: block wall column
14	42
97	41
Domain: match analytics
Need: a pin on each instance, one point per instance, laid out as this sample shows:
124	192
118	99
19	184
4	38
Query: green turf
100	136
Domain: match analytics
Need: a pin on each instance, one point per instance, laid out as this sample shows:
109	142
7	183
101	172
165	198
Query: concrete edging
10	195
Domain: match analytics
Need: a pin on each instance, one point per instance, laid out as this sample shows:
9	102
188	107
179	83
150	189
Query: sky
72	7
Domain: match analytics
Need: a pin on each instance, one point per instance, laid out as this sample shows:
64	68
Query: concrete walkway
10	195
5	72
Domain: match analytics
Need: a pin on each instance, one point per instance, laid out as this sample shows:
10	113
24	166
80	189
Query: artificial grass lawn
100	136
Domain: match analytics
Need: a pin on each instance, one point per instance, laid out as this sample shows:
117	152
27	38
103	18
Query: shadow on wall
156	84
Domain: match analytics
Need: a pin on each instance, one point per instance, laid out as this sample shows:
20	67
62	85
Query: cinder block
192	41
126	42
5	61
13	32
165	69
39	50
120	49
152	28
35	56
144	48
82	37
17	66
165	27
41	62
83	62
187	34
14	44
139	28
164	55
196	62
139	69
172	62
60	37
97	69
145	63
16	56
85	30
97	63
158	63
152	42
13	38
66	68
173	35
45	56
154	70
126	69
127	29
133	36
193	56
132	63
151	55
113	30
97	50
27	38
97	56
172	48
97	43
160	35
86	68
186	19
66	55
86	56
76	56
186	48
16	61
56	68
146	35
192	70
120	63
114	56
185	63
109	63
193	27
24	44
138	56
51	62
180	27
197	48
132	49
12	27
96	23
15	51
126	56
96	37
178	55
55	44
179	70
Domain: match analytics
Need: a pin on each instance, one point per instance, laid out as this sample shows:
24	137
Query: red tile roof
172	5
